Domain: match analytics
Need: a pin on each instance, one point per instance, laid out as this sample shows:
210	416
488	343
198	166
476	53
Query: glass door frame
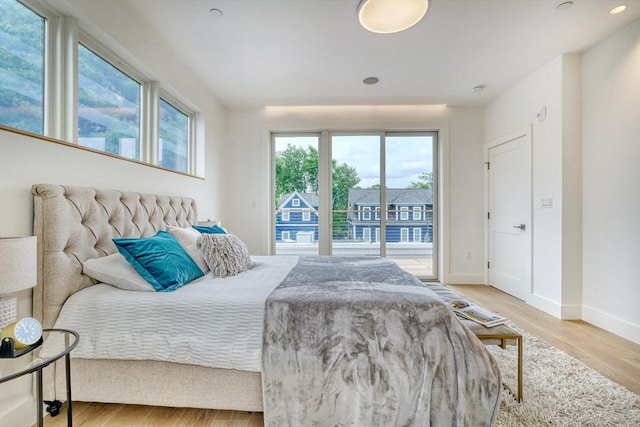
325	232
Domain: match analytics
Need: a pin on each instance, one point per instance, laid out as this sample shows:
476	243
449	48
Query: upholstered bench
497	335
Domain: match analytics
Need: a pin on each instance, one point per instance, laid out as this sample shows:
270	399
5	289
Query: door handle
521	226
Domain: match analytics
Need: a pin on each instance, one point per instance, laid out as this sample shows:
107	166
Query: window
285	214
361	182
21	67
366	213
404	213
108	107
286	235
295	202
173	141
417	214
306	215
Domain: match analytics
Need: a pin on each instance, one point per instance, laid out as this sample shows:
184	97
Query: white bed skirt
160	384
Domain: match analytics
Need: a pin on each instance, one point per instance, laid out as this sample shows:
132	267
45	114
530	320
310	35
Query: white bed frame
74	224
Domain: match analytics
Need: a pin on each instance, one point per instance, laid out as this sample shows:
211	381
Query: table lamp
18	271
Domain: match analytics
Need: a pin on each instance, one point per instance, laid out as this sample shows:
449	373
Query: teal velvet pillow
214	229
160	260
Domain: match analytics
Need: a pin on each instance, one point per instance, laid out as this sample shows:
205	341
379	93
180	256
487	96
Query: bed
253	358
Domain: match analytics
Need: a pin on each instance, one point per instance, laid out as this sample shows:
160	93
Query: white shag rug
559	390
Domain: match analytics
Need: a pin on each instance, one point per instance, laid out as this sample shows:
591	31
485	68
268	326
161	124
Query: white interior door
510	216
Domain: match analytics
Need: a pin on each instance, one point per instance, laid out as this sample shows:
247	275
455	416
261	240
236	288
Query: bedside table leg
39	400
67	366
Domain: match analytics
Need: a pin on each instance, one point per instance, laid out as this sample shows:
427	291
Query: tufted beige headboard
74	224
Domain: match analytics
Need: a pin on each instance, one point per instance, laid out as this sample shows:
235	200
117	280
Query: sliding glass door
355	198
296	193
380	198
409	201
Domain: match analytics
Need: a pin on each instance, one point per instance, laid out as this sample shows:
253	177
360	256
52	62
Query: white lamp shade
18	263
391	16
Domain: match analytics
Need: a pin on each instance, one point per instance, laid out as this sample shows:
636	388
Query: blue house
409	215
297	218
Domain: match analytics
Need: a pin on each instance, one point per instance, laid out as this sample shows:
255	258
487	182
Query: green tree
425	180
344	178
296	170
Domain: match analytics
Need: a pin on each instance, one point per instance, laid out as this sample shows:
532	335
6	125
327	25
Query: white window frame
285	215
295	202
404	235
377	213
175	103
47	14
404	213
377	234
417	234
306	215
63	35
366	213
366	235
417	213
286	235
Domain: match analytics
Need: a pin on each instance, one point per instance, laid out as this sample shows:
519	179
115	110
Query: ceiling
314	52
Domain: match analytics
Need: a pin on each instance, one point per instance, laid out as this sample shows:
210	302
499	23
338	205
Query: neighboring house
297	218
409	215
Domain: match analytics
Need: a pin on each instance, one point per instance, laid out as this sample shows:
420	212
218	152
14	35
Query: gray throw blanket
360	342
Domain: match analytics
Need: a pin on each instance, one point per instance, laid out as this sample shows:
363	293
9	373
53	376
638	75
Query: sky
406	156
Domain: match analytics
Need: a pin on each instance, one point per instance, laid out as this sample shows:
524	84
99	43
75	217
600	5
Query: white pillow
187	238
225	254
115	270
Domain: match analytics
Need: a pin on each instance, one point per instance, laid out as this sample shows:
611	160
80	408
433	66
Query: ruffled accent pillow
225	254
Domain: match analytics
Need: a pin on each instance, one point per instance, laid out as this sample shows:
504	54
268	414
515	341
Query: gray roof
394	196
310	198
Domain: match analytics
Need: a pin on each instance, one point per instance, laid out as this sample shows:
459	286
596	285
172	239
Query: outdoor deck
416	258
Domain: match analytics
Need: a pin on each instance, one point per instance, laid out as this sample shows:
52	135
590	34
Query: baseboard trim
465	279
20	414
545	304
611	323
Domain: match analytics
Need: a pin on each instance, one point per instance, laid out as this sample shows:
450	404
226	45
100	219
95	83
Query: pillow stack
170	259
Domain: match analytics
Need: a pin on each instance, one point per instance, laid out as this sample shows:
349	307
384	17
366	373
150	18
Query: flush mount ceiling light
391	16
618	9
370	80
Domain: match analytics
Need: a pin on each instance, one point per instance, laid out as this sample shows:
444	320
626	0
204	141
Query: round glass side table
56	343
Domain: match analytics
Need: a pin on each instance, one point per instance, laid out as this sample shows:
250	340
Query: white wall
611	151
516	109
248	168
25	160
585	156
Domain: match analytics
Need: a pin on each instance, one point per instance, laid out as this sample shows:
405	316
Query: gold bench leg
519	368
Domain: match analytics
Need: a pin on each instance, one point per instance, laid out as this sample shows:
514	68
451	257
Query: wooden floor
614	357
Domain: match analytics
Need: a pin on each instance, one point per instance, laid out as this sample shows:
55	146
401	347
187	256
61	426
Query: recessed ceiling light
370	80
618	9
215	12
478	89
565	5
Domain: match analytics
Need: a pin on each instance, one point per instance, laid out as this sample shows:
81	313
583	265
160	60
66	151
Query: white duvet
212	322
